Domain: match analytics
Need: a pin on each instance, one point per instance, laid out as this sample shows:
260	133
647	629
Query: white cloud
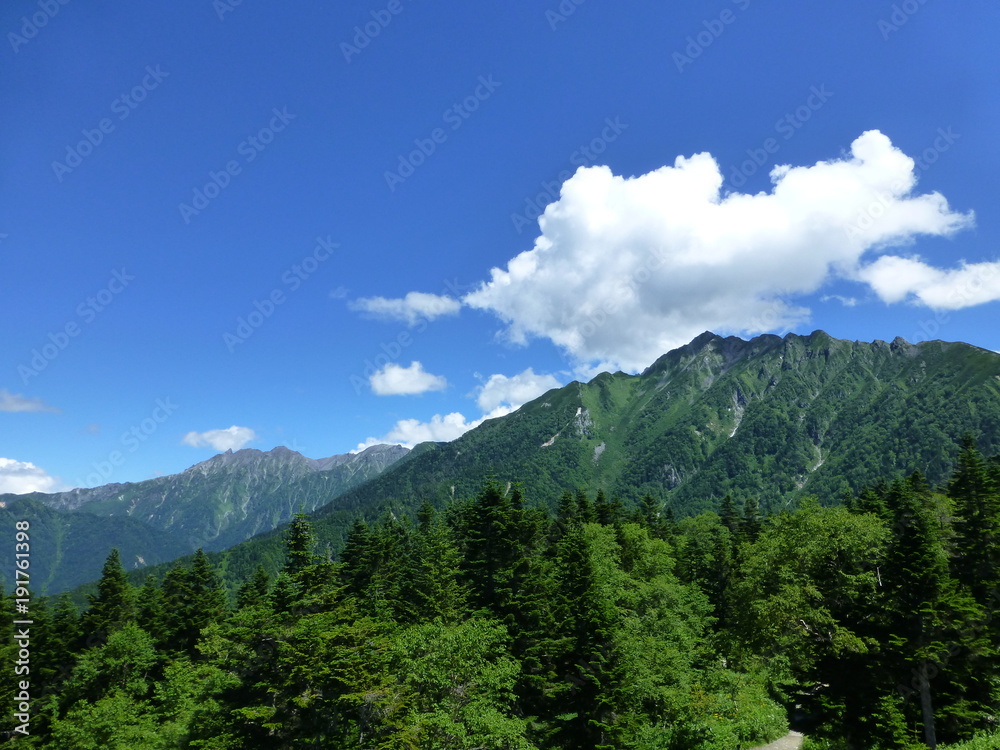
231	438
502	393
23	476
409	432
394	380
498	396
896	279
845	301
16	402
626	269
412	308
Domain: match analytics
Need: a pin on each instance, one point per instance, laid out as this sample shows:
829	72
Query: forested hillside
770	418
492	623
770	421
212	505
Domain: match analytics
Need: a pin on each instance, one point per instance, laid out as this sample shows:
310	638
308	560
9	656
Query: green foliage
979	742
490	624
459	682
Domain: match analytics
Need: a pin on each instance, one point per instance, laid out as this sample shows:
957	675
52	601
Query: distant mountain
773	418
213	505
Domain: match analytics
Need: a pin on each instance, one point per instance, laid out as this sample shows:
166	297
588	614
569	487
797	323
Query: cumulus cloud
411	309
896	279
231	438
19	477
16	402
409	432
628	268
501	394
394	380
498	396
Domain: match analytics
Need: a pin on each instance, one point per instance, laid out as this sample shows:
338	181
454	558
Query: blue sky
245	224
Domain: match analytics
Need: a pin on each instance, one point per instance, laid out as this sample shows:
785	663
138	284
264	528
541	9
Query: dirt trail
791	741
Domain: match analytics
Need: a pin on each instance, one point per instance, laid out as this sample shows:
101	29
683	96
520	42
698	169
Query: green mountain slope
772	418
213	505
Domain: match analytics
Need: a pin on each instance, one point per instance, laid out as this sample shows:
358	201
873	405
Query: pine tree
358	559
425	515
650	515
927	612
253	593
299	543
150	615
751	522
314	575
590	676
209	598
114	604
435	590
584	508
727	513
567	516
976	561
604	512
491	548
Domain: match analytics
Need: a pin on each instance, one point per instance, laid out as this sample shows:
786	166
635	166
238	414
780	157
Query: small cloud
93	429
845	301
19	477
394	380
896	279
497	397
339	293
15	402
412	308
409	432
232	438
502	394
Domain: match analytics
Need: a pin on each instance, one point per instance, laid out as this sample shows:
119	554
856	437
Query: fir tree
114	604
751	523
728	515
976	561
927	612
253	593
150	615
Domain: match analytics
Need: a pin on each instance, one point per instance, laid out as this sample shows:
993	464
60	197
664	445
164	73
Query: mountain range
212	505
773	418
